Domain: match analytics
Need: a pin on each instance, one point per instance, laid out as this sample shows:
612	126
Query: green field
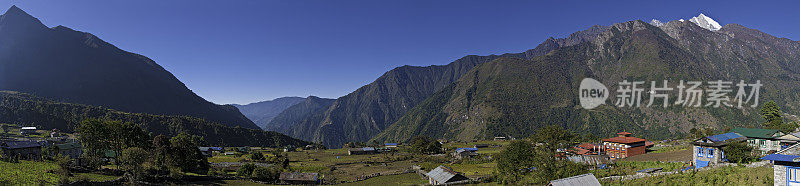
402	179
737	175
38	172
28	173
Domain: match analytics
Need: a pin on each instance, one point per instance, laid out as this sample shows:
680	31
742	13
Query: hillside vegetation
24	109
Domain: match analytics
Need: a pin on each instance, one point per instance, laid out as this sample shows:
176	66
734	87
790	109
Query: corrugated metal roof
390	144
724	137
782	157
28	128
68	146
583	180
467	149
625	140
756	133
19	144
442	174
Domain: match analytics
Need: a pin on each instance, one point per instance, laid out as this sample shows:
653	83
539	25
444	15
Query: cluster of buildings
30	149
708	150
602	153
387	147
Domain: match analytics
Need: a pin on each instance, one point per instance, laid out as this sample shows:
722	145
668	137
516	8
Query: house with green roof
71	150
765	140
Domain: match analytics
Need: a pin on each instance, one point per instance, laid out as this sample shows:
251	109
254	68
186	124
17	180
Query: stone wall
779	172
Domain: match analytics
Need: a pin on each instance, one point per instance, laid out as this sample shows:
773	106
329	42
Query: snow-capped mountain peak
656	22
705	22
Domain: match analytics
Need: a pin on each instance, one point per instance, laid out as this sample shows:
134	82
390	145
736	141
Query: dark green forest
28	110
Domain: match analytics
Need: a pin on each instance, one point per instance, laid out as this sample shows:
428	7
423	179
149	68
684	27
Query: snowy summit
705	22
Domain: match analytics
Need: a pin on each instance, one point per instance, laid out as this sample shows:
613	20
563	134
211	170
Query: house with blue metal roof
708	151
785	165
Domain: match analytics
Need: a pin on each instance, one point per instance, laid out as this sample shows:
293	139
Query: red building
623	146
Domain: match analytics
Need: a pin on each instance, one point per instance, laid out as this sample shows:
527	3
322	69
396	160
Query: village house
789	140
206	151
583	180
786	166
586	149
708	150
295	178
72	150
21	149
481	146
390	145
623	146
764	140
589	159
27	131
360	151
500	138
444	175
465	153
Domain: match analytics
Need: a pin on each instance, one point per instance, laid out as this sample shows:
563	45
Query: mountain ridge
511	97
71	66
367	111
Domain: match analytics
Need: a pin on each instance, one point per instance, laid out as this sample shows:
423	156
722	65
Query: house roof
782	157
290	176
28	128
587	146
66	146
724	137
363	149
625	140
624	133
584	179
719	139
756	133
468	149
443	174
19	144
390	144
580	151
649	144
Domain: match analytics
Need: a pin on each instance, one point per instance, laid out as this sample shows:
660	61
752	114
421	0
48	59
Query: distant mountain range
515	94
261	113
77	67
369	110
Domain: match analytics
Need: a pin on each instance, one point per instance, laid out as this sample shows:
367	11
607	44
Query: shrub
257	156
266	174
246	170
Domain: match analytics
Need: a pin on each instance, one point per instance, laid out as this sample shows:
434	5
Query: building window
791	174
710	153
699	152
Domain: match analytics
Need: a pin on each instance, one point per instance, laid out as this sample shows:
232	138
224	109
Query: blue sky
248	51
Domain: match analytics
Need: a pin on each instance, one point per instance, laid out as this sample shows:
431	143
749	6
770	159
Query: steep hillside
262	113
367	111
27	110
298	113
514	97
77	67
